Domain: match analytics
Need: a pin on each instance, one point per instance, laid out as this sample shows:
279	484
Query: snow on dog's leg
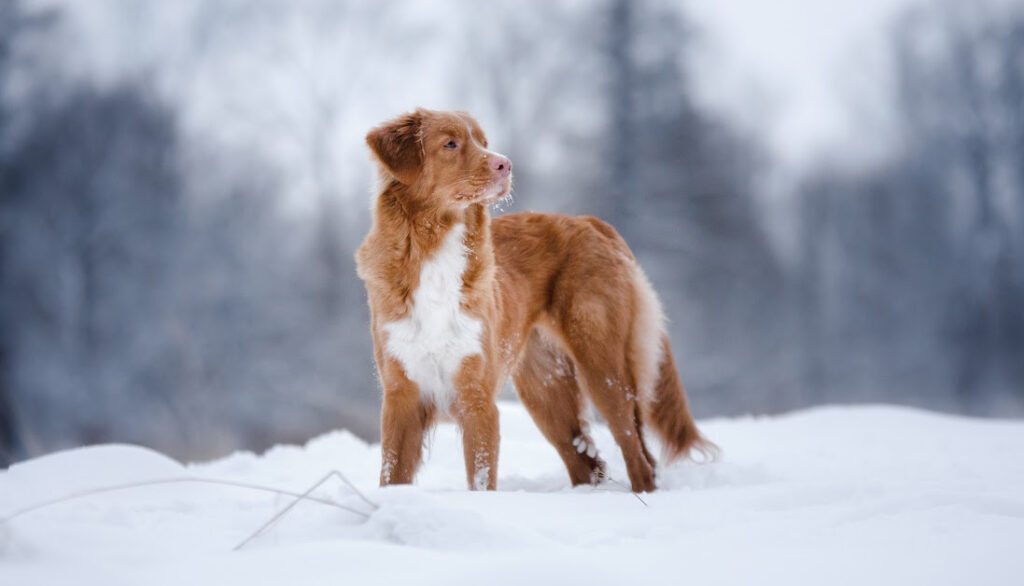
610	389
477	415
597	330
479	423
546	384
405	420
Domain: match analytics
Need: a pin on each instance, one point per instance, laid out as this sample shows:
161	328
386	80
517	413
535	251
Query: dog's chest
436	335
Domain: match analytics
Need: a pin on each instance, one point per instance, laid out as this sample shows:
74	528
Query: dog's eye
451	144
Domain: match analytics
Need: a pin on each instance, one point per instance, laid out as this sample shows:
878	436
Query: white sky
794	70
807	76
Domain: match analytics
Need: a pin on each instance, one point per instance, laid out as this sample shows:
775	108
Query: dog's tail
663	400
668	413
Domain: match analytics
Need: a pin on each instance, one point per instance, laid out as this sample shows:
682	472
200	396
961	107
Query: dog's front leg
478	417
480	438
405	419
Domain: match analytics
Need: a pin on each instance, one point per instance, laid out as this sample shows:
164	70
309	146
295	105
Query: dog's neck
414	231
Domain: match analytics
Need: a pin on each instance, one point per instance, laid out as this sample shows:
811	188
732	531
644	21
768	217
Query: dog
460	301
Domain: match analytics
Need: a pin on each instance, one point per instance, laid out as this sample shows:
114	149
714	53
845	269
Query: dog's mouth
499	190
503	194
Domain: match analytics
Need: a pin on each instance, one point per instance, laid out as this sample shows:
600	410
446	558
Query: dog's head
442	157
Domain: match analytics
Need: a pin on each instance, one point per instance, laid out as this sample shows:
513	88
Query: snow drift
839	495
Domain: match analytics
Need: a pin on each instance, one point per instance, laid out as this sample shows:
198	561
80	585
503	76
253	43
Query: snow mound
837	495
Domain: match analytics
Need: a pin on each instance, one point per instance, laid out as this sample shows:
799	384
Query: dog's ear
396	144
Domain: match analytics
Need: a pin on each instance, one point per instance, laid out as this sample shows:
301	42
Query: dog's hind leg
600	347
546	384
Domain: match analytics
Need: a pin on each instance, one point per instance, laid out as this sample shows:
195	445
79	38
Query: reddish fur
560	299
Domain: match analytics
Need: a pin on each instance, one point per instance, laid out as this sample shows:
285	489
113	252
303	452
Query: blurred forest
182	185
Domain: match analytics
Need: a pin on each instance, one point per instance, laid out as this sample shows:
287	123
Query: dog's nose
501	165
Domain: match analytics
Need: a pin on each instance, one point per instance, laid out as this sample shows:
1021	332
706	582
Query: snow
838	495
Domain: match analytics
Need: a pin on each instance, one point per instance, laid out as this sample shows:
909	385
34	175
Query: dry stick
358	492
95	491
277	517
608	477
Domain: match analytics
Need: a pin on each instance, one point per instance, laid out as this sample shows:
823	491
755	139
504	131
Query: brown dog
459	302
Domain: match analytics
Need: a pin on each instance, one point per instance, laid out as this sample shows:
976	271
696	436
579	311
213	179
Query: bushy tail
669	414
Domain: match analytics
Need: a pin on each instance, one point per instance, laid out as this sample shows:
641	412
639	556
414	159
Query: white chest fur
437	335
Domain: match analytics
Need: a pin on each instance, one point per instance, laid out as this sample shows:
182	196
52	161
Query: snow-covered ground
851	495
